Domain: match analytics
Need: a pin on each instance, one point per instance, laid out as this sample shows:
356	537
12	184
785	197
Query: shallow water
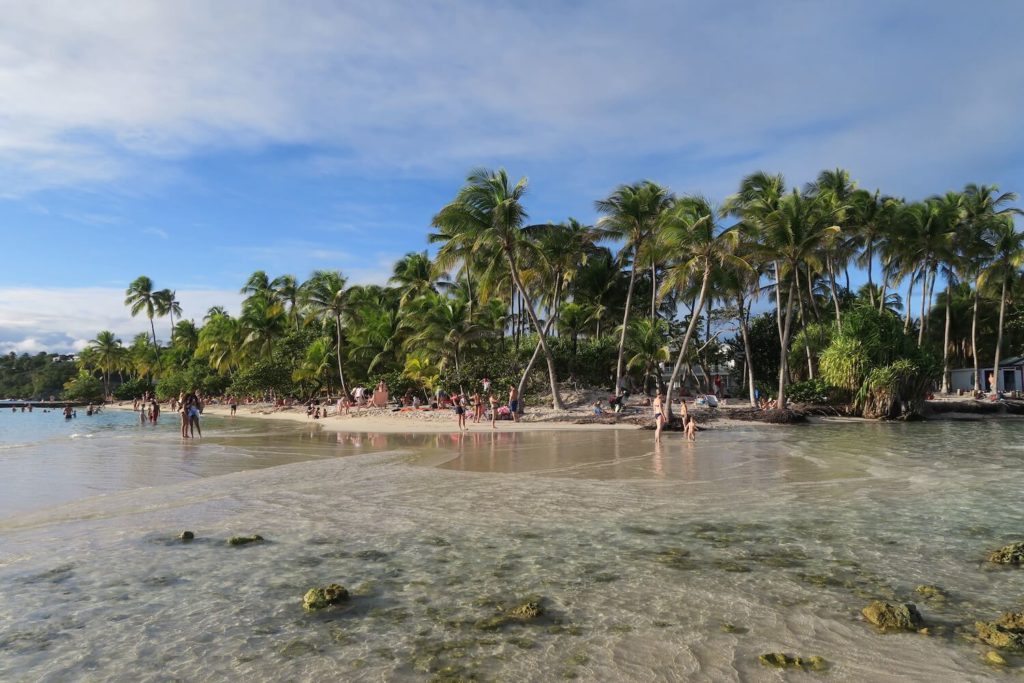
683	562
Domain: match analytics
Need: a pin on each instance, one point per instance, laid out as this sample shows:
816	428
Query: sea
678	562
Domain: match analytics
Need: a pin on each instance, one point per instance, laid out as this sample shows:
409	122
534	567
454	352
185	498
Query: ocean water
683	562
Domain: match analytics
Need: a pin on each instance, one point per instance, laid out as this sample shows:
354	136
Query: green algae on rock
1008	554
993	657
245	540
887	617
523	611
1006	632
319	598
781	660
930	592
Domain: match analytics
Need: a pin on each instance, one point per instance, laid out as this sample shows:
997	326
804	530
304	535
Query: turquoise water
678	563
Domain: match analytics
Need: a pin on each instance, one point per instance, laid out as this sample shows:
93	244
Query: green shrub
133	388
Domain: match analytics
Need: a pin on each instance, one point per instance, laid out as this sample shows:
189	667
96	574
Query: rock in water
1006	632
1008	554
781	660
318	598
187	536
245	540
993	657
904	617
526	610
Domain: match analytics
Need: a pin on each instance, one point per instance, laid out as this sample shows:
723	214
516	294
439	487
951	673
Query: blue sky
196	142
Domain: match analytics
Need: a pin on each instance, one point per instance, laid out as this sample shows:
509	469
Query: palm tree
490	210
697	244
983	208
631	214
259	284
647	348
793	235
108	355
325	296
220	342
573	319
264	321
316	365
286	290
1008	246
186	336
140	297
442	328
950	217
214	311
167	304
414	274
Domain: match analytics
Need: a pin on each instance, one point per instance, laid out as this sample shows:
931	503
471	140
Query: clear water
679	563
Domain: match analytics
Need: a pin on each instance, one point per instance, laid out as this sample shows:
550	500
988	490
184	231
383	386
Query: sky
195	142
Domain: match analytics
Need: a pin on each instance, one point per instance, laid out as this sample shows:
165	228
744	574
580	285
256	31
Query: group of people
661	418
463	403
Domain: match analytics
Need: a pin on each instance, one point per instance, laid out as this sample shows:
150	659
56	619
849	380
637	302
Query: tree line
658	285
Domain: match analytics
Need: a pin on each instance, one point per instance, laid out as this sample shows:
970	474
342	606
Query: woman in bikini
659	415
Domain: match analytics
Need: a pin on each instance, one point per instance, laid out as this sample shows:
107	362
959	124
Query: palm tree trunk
945	338
171	338
974	338
885	287
871	284
625	322
924	297
654	292
746	350
999	339
778	301
784	353
152	328
337	348
832	289
803	321
556	398
536	350
686	337
910	295
810	298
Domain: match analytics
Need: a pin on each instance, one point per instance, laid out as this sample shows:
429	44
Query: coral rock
887	617
319	598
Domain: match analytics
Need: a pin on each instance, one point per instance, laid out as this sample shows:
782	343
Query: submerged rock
993	657
524	611
781	660
930	592
187	536
319	598
1006	632
887	617
1008	554
245	540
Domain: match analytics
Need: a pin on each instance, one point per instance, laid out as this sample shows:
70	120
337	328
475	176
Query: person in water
660	416
460	411
194	411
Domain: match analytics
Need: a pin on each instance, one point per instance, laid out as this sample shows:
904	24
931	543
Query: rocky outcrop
245	540
887	617
319	598
1006	632
780	660
1008	554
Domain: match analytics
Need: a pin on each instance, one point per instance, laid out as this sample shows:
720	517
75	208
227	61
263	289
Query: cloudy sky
196	142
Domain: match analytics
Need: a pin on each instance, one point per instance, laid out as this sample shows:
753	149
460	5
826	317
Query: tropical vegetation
661	290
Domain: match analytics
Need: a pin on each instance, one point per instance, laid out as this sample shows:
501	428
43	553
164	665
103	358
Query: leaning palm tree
697	244
140	297
1005	267
490	209
632	214
325	296
167	304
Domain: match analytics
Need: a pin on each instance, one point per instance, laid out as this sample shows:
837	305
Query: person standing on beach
659	415
478	407
493	400
460	411
183	413
486	384
690	428
513	402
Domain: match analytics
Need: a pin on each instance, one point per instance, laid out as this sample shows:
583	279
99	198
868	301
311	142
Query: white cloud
909	92
64	319
162	234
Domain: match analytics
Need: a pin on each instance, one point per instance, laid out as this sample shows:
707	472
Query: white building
1011	376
